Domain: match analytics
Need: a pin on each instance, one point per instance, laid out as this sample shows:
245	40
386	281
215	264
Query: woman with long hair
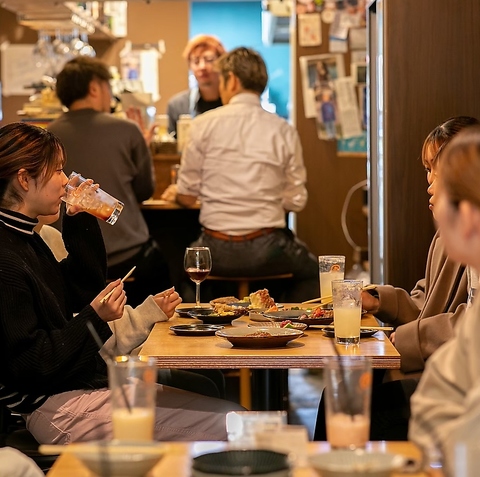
52	372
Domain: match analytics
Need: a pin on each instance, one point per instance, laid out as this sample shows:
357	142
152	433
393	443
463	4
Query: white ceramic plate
357	463
119	458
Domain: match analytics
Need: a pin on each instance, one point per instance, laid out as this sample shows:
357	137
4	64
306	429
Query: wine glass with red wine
197	263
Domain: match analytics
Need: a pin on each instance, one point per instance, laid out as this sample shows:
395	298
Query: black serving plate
241	462
329	333
209	317
185	312
195	330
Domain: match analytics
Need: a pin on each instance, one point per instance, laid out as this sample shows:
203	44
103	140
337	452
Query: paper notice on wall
19	69
309	29
142	65
358	38
339	30
347	103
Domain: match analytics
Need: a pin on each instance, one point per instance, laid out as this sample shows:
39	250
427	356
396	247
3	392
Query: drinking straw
110	358
346	391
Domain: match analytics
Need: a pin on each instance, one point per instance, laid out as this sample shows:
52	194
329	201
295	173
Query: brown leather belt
239	238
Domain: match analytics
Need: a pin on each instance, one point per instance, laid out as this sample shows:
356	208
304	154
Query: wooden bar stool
243	284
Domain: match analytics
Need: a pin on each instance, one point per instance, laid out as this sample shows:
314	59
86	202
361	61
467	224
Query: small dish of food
212	317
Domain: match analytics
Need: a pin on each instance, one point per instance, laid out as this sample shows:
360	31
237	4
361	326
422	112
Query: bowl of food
356	463
118	458
241	462
219	314
259	337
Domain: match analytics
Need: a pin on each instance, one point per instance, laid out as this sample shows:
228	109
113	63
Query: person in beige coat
446	405
424	318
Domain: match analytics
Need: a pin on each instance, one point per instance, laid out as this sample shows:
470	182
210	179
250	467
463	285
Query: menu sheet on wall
19	69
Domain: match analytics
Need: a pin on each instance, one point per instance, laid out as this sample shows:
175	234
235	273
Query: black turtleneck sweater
44	349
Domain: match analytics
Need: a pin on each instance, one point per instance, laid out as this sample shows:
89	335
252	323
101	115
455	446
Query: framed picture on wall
318	74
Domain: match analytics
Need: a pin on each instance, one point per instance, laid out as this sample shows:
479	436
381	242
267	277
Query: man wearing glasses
201	53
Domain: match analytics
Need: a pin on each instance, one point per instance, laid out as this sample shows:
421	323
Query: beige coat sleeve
425	318
446	405
417	340
133	328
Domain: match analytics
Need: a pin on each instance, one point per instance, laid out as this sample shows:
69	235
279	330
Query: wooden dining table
177	460
310	351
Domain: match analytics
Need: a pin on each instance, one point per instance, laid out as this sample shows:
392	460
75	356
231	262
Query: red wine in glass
197	263
197	274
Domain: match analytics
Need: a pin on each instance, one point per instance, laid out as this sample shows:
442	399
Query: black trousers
209	382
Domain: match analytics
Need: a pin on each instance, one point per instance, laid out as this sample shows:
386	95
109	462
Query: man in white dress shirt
245	165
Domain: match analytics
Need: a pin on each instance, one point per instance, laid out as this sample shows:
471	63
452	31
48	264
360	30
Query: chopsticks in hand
109	294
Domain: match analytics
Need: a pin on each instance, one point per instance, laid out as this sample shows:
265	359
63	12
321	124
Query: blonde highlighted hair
204	41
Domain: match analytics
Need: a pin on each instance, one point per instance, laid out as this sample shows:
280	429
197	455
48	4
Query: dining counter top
178	457
309	351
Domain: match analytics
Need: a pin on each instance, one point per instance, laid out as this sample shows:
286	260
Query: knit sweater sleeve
42	351
85	267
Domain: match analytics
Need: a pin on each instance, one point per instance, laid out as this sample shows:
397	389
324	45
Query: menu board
18	69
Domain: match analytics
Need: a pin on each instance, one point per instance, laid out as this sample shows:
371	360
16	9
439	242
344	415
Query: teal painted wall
240	24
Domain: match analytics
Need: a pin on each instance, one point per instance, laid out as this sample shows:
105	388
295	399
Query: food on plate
286	324
225	300
261	299
260	334
272	308
320	312
223	309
